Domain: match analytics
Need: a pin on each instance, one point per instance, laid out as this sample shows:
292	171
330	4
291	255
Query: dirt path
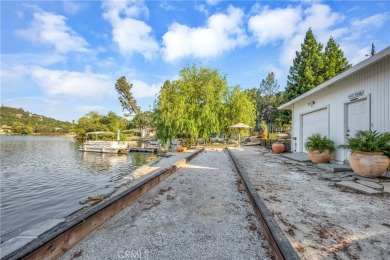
321	220
199	212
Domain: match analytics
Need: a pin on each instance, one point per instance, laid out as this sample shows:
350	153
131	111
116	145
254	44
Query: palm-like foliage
316	142
369	141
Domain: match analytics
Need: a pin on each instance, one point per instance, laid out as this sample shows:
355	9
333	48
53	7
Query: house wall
374	80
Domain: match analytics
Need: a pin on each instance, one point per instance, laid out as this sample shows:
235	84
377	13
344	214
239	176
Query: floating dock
143	150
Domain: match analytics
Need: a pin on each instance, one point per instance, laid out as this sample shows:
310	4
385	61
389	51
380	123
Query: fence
267	143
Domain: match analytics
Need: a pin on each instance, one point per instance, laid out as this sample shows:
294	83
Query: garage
314	123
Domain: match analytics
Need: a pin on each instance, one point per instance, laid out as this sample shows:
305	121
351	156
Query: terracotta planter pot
278	148
317	157
369	164
264	136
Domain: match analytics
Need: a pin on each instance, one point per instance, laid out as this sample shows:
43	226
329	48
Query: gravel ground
199	212
320	219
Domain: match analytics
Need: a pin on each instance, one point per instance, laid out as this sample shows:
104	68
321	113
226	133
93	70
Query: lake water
43	177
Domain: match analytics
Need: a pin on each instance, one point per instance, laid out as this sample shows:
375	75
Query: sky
62	58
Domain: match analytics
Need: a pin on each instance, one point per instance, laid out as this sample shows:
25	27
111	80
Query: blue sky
62	58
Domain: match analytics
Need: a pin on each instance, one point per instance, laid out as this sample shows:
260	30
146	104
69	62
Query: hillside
26	122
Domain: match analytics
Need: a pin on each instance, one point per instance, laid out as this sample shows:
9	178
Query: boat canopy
100	133
90	135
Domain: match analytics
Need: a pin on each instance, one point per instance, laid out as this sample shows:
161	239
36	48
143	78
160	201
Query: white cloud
51	29
321	19
222	33
213	2
166	6
72	7
376	20
72	84
268	26
141	89
357	43
131	35
19	14
290	25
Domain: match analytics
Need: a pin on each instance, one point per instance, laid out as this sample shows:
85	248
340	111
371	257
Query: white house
357	99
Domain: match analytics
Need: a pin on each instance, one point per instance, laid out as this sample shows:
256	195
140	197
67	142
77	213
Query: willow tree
169	111
239	108
191	106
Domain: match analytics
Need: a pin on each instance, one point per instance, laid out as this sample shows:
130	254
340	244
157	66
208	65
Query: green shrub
316	142
264	127
272	135
369	141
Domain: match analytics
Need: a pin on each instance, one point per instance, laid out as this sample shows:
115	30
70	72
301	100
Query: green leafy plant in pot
320	148
370	152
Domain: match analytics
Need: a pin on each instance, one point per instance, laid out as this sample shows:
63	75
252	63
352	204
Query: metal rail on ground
280	246
64	236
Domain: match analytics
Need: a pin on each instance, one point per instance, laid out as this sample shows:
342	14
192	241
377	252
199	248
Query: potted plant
264	128
370	152
320	148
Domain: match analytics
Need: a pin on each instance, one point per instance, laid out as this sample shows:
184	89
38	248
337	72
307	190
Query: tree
239	108
93	121
191	106
373	51
113	121
169	111
334	60
254	95
306	71
267	103
143	120
21	128
126	98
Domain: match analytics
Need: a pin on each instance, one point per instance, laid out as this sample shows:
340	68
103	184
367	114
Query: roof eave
377	57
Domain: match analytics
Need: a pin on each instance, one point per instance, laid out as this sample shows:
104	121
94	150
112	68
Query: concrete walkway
199	212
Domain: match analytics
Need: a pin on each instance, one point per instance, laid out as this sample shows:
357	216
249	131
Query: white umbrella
240	126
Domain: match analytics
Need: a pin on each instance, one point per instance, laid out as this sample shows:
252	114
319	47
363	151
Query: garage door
314	123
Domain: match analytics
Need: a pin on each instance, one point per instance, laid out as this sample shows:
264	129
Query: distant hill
26	122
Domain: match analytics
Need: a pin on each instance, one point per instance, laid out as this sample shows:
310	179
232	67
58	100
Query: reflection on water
42	177
103	162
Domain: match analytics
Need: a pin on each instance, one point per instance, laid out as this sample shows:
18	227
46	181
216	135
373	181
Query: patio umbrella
240	126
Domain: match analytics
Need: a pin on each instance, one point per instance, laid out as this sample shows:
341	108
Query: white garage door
314	123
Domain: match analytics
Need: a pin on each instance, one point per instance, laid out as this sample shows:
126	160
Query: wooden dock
143	150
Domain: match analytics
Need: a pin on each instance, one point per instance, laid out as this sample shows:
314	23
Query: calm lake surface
45	177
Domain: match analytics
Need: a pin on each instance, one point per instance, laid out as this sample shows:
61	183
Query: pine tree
126	98
373	51
334	60
306	71
268	89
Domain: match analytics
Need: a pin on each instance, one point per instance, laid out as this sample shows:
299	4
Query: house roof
375	58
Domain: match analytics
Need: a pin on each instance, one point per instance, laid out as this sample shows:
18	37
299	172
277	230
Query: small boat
93	144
